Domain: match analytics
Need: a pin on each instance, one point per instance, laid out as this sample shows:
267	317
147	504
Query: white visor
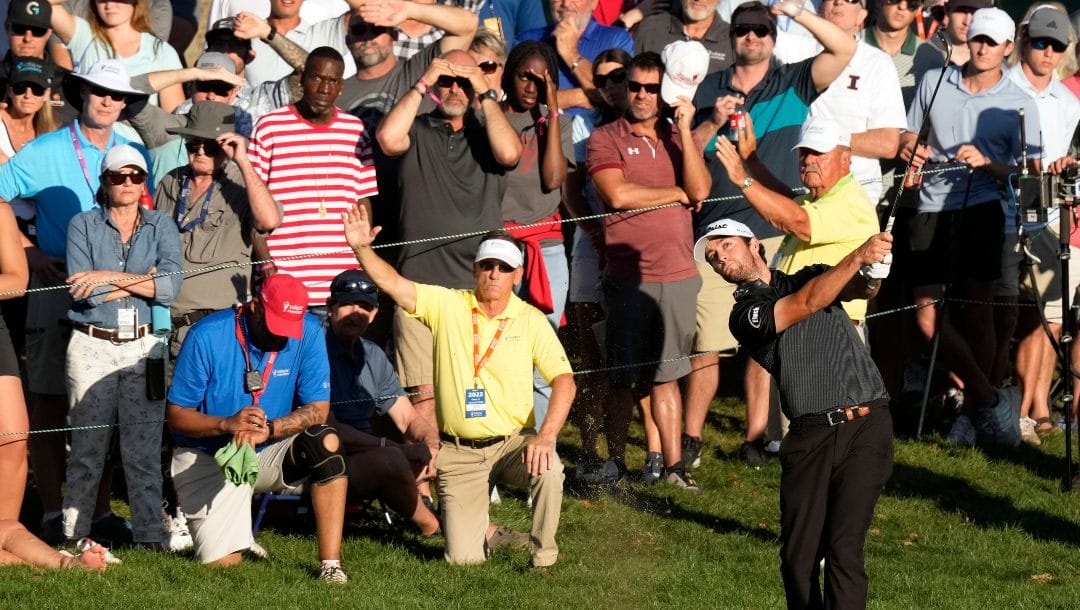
500	250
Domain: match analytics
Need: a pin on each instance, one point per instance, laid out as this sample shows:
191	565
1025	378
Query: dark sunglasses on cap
217	87
446	81
103	92
489	66
35	89
353	286
1040	44
761	31
489	263
209	147
19	29
116	178
616	76
650	88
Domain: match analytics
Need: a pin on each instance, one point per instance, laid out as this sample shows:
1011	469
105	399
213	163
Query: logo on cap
690	80
289	308
33	8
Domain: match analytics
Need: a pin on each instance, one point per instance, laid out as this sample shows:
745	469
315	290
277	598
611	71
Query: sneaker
999	424
752	453
772	447
653	468
112	531
607	473
256	551
177	535
1027	431
682	479
691	451
962	432
334	574
495	499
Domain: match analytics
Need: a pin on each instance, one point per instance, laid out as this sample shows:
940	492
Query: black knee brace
309	457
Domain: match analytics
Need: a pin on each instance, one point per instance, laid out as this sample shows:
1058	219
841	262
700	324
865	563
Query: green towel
241	464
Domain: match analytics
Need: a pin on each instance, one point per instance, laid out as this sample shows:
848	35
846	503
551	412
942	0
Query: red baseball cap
284	300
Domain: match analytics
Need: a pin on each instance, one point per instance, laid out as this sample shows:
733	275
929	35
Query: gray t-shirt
455	186
657	31
525	201
371	99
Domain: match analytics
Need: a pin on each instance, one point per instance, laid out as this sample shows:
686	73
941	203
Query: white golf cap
500	250
822	134
109	74
721	228
122	155
686	62
993	23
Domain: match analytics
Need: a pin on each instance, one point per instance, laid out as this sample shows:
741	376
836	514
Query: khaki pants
465	477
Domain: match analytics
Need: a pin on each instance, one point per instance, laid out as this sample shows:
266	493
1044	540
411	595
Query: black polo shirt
455	185
778	106
819	363
657	31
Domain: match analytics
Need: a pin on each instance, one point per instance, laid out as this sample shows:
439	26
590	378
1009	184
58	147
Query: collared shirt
454	185
778	105
594	39
819	363
209	374
362	382
47	170
657	31
840	221
1059	113
93	243
269	66
527	342
914	59
654	245
987	120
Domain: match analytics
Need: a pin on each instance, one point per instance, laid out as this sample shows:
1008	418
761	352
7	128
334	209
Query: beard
368	56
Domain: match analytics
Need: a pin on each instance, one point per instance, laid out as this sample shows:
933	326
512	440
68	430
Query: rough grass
954	529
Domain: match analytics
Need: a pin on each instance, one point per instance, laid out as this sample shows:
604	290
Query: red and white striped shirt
316	172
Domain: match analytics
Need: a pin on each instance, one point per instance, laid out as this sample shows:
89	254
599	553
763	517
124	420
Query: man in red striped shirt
317	161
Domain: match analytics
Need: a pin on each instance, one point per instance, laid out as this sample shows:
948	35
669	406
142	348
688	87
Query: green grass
954	529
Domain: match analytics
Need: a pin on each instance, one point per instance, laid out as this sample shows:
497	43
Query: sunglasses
362	286
35	89
761	31
616	76
116	178
21	30
650	88
210	148
217	87
1040	44
103	92
446	81
489	263
847	1
365	31
489	66
911	4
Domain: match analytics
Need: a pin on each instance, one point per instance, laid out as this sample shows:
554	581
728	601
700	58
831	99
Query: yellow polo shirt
841	220
527	341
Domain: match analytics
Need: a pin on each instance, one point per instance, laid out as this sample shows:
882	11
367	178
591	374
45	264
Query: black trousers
830	481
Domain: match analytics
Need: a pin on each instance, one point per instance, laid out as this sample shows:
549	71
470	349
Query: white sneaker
495	499
333	574
177	535
256	551
1027	431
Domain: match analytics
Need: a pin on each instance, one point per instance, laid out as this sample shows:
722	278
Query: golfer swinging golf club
838	452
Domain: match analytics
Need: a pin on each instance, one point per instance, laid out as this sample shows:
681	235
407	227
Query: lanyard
478	362
185	192
255	394
82	158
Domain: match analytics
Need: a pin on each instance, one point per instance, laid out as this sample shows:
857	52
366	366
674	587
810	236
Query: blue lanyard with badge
476	398
181	209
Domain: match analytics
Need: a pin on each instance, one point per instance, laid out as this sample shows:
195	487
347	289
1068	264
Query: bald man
452	176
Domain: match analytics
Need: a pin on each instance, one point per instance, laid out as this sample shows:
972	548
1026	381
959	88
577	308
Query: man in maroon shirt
650	279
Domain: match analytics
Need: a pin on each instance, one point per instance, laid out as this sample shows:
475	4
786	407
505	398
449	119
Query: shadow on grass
985	510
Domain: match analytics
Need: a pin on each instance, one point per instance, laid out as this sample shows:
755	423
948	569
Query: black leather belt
831	418
190	318
473	443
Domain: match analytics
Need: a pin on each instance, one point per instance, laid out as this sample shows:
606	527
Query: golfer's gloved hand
876	271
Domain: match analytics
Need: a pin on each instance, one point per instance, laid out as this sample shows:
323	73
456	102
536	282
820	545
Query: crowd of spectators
201	245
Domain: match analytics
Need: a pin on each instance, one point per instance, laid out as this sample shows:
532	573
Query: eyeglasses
217	87
103	92
21	30
489	66
352	286
910	4
1040	44
489	263
761	31
446	81
35	89
116	178
210	148
847	1
616	76
650	88
366	31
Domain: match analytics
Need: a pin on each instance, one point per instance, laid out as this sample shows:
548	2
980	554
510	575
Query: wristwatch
746	183
271	35
490	94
